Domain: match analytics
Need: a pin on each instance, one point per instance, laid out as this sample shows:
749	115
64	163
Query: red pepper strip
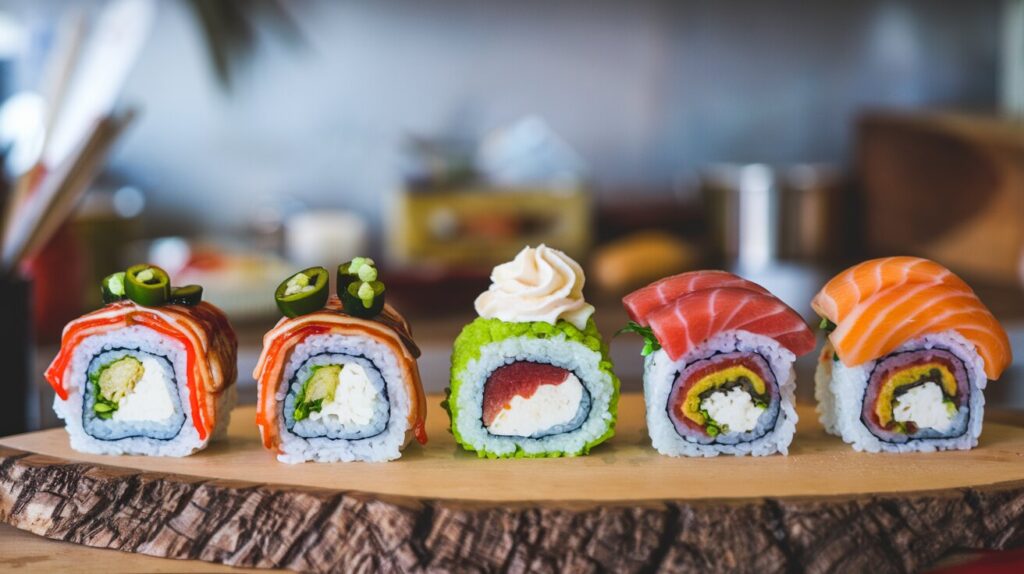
265	408
421	430
73	336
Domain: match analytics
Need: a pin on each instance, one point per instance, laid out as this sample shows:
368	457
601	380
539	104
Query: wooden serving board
624	507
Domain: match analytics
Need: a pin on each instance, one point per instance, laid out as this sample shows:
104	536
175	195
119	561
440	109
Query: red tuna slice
522	379
696	317
642	302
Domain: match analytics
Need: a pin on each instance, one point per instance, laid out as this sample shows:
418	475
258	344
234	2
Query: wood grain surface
26	553
823	508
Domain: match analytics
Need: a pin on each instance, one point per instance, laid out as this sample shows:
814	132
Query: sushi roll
337	377
718	372
531	377
910	349
151	373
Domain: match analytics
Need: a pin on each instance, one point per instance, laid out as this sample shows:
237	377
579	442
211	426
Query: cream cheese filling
150	399
925	406
355	398
733	410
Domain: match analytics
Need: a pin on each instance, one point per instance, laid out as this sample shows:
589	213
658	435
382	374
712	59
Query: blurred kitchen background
232	142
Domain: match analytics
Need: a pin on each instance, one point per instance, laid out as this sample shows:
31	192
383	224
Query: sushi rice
660	373
327	439
841	390
487	344
174	435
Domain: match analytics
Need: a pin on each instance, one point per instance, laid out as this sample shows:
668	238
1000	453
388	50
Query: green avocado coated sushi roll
531	376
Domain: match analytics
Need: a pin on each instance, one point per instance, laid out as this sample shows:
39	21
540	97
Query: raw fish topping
685	310
640	303
880	304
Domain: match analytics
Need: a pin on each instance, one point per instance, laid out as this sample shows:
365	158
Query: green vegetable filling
711	426
113	382
318	389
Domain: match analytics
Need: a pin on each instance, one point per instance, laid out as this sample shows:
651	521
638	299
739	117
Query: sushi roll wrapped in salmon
910	349
718	376
531	377
151	373
337	377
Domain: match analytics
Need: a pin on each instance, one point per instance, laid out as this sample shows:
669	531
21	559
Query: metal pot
759	214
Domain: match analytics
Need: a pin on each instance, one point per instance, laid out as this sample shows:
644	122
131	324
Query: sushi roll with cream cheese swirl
531	376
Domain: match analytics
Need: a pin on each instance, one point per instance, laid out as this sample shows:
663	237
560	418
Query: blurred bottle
809	229
67	271
742	202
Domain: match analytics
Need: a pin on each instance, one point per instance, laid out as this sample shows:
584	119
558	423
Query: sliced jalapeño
147	285
303	292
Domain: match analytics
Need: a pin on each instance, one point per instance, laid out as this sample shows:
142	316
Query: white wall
644	89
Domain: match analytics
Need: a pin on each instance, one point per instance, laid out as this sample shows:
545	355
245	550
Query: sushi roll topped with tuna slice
910	350
337	378
151	373
718	375
531	376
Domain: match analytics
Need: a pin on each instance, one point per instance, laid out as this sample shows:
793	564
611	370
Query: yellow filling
691	406
909	376
119	378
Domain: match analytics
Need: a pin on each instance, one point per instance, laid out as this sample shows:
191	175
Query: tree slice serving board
624	507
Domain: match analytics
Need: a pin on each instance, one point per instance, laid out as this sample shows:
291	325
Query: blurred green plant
234	28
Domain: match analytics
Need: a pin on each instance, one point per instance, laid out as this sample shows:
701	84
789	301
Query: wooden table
24	552
624	507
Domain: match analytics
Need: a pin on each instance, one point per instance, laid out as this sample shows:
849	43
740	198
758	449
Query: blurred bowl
325	237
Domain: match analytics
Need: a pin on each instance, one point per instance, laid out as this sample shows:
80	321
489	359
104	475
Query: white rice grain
558	351
382	447
840	391
145	340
